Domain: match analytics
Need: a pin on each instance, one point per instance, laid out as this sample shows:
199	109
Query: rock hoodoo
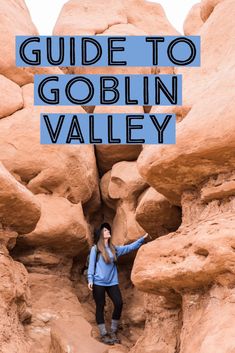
179	296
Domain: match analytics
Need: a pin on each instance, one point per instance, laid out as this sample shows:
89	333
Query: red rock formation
50	199
196	263
193	22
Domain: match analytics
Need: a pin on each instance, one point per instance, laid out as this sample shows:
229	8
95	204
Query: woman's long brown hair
102	249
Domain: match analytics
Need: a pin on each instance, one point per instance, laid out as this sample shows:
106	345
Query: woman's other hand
90	286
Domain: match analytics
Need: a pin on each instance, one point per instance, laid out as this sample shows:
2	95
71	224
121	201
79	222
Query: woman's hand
90	286
146	236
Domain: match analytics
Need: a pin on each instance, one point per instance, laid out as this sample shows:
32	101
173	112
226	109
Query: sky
44	13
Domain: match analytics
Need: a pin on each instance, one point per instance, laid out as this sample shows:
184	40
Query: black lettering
37	53
113	89
146	90
61	52
76	100
54	134
112	49
172	97
186	61
55	91
92	131
130	127
72	52
160	128
111	139
128	100
75	131
155	41
85	60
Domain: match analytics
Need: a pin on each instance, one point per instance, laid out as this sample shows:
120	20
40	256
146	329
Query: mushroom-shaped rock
19	208
195	256
156	215
204	146
62	227
68	171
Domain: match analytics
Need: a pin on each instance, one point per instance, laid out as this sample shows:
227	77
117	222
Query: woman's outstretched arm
125	249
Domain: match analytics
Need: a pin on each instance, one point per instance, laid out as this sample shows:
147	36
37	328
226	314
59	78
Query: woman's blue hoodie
106	274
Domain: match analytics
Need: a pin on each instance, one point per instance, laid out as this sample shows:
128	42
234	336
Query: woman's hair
101	244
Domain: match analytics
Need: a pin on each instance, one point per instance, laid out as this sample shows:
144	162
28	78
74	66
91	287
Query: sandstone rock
125	227
125	185
162	328
180	111
118	350
62	227
16	20
218	192
15	305
157	23
217	54
210	150
68	171
74	334
97	18
200	331
94	18
156	215
43	261
10	97
57	322
7	237
193	21
104	187
19	209
207	7
126	182
108	155
135	310
200	253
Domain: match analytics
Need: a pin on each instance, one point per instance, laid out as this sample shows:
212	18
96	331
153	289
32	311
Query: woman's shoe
106	339
114	337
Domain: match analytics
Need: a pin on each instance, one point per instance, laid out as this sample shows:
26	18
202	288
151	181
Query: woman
103	277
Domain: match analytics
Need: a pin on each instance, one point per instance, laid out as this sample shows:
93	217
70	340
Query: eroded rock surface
50	198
